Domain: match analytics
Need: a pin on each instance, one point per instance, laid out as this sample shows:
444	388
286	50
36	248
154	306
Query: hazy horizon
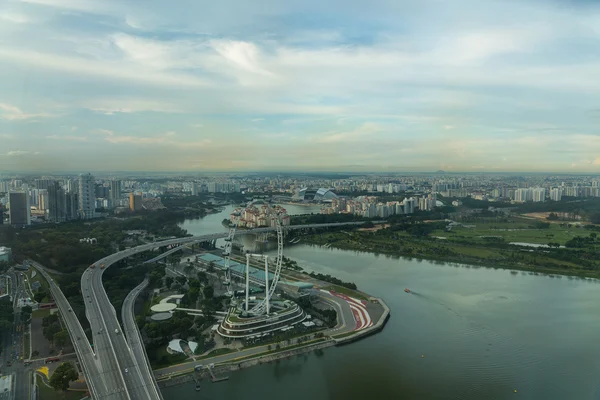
464	86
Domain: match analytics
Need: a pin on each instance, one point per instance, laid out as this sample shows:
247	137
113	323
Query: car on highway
126	370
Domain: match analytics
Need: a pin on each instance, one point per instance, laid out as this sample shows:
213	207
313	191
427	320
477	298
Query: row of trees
334	280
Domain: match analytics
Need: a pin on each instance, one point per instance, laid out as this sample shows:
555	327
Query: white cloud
101	68
361	133
112	106
167	139
14	17
68	138
11	113
103	132
15	153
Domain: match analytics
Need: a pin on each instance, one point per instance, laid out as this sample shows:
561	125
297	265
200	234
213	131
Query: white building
5	254
87	196
556	194
523	195
539	194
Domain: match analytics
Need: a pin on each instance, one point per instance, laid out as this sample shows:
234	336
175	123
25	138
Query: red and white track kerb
359	310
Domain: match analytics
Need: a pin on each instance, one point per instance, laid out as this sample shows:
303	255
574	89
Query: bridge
116	368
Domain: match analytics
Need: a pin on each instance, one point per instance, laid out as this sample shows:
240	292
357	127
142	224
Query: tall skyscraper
87	196
42	183
194	189
43	200
72	206
115	192
57	203
19	212
135	202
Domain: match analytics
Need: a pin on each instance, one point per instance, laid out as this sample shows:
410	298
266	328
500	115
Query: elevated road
134	337
97	382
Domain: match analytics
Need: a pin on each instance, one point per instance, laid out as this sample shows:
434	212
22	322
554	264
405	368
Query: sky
340	85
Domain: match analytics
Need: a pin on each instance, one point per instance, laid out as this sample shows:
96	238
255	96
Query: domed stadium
321	194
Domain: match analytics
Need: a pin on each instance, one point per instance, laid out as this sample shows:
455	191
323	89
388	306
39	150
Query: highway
136	343
98	383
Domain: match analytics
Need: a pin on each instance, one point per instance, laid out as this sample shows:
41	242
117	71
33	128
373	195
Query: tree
61	377
39	296
26	312
61	338
595	218
168	281
552	217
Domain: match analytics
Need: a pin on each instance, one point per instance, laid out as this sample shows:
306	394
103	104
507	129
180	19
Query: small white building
5	254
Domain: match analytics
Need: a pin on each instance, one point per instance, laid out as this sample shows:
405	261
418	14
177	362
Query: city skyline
392	86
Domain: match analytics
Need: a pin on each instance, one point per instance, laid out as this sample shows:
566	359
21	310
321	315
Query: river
464	333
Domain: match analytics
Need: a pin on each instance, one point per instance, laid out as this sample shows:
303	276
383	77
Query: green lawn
38	278
40	313
216	352
513	233
47	393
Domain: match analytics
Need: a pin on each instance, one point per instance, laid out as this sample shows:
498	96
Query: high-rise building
135	202
72	206
538	194
409	205
19	212
73	186
523	195
42	183
57	203
556	194
115	192
87	196
194	189
42	202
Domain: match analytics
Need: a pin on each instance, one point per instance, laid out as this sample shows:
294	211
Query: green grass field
510	233
47	393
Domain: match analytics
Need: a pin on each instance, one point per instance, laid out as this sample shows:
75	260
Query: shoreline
269	357
478	263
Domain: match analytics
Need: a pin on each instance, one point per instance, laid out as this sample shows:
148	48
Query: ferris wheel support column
247	280
267	283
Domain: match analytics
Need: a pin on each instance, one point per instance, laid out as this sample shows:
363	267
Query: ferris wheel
275	216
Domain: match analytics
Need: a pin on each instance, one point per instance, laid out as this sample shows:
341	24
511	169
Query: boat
407	290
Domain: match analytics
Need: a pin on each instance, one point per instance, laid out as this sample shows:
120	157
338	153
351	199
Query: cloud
166	139
15	153
13	113
365	131
68	138
100	68
105	132
384	83
14	17
110	106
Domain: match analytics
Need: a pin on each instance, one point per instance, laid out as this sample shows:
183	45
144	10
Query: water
483	333
213	222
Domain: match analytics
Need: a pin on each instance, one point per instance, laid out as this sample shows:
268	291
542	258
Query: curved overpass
116	363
